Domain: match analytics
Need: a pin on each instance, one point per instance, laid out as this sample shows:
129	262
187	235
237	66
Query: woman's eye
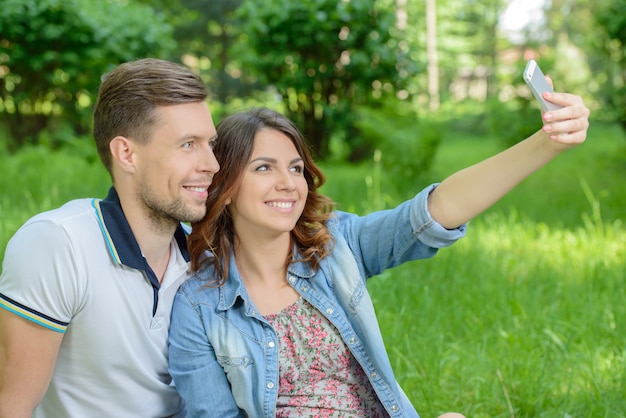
263	167
297	169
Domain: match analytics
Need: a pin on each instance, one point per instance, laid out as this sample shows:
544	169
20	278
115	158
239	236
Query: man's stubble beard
163	214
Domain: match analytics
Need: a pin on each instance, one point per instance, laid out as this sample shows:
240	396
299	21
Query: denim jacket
223	354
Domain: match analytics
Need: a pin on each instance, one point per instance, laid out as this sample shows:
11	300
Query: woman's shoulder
201	285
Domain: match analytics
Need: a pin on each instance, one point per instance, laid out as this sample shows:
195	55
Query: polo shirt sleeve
39	272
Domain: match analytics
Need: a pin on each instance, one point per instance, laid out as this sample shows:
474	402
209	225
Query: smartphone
533	76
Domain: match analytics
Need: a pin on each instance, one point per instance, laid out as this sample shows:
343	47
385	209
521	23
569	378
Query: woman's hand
567	125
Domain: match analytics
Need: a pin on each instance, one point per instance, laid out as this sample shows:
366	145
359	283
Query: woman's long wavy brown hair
233	150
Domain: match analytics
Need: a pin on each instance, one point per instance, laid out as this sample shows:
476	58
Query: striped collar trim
119	237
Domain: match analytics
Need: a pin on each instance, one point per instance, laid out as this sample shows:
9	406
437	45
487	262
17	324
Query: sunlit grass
37	179
517	319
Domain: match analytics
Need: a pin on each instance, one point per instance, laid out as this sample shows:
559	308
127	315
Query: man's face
176	166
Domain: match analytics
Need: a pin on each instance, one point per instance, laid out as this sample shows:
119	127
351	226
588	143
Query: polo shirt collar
120	239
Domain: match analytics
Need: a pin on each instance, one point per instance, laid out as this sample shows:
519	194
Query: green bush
53	53
407	144
512	121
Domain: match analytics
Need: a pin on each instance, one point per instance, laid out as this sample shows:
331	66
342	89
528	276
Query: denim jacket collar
234	287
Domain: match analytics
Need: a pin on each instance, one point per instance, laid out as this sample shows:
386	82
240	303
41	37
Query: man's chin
197	216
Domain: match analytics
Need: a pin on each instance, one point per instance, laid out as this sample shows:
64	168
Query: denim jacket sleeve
387	238
198	377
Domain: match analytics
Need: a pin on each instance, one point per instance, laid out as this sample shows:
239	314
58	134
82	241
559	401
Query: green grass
36	180
518	319
524	317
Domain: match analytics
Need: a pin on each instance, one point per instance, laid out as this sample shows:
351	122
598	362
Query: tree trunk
431	51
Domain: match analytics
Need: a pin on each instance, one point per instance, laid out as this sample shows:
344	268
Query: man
86	290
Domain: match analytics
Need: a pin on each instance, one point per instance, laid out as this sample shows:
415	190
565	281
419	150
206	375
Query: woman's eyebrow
274	160
266	159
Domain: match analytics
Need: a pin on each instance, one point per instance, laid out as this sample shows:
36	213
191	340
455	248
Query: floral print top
319	376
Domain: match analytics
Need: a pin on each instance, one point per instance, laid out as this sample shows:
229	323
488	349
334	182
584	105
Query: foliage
52	53
477	23
213	33
584	49
325	58
407	144
612	18
208	31
514	120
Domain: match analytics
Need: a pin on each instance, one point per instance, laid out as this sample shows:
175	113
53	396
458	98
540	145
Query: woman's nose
286	181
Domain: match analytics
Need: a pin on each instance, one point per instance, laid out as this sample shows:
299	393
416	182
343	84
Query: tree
431	48
52	53
207	30
612	19
325	58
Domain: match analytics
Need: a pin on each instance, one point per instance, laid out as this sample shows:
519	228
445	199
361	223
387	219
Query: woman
278	321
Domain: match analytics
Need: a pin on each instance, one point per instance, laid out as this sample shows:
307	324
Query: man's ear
122	152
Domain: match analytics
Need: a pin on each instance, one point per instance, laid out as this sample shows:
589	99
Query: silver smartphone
536	81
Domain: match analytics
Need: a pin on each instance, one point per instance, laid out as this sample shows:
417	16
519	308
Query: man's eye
188	144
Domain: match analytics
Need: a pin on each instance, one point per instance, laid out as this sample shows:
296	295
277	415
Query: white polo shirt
78	270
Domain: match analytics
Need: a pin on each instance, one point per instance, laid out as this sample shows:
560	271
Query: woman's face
273	190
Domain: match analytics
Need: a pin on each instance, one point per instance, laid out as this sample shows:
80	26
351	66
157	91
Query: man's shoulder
70	209
72	217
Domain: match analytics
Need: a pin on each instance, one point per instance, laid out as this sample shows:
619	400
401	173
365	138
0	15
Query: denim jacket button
270	344
329	311
270	385
394	408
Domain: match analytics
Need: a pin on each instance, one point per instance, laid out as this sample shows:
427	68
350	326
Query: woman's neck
263	270
263	260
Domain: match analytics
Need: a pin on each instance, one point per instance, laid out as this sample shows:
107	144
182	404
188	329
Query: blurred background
345	70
